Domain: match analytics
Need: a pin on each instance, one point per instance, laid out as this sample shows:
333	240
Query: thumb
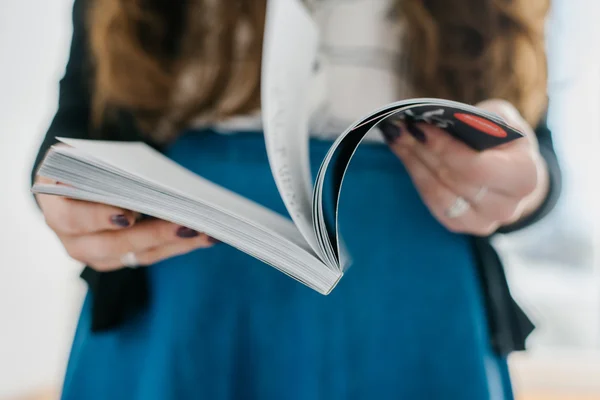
511	116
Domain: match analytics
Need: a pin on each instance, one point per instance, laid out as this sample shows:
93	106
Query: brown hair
466	50
473	50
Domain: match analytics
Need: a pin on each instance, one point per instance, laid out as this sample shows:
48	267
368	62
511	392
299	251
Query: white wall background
39	289
38	285
554	267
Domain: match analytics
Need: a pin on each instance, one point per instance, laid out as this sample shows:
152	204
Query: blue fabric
405	322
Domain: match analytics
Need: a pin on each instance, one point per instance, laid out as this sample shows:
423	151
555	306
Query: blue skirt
405	322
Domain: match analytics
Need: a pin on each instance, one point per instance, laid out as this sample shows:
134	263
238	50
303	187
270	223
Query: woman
424	313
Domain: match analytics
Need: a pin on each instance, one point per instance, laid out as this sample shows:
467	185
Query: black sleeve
544	136
116	294
72	118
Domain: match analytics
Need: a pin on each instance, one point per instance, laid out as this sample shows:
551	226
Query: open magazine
307	247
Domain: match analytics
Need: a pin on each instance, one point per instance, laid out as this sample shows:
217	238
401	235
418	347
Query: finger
144	236
494	168
511	116
157	254
75	217
439	199
492	205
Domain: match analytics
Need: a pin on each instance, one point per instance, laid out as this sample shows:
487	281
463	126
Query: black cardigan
118	295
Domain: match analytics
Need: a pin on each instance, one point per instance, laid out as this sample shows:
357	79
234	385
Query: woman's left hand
469	191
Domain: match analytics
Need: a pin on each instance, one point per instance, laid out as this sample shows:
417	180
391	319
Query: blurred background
553	267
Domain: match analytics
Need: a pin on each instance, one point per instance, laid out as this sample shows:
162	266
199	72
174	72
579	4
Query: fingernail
186	233
390	131
212	240
417	133
120	220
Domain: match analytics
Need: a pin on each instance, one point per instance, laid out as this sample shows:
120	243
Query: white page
145	163
290	50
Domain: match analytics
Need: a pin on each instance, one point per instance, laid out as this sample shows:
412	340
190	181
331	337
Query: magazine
306	245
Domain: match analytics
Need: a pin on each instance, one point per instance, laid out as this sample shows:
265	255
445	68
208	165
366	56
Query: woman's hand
107	238
469	191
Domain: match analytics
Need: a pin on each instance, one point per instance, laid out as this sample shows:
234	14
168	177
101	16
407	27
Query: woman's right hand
100	235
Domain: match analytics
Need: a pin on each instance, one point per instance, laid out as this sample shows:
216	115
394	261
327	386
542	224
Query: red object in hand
481	124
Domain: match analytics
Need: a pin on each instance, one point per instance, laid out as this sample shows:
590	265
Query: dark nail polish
417	133
213	240
120	220
390	131
186	233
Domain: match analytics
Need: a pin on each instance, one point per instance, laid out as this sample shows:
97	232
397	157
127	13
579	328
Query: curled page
475	127
290	49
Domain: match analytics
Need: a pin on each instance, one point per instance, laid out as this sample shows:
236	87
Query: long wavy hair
168	61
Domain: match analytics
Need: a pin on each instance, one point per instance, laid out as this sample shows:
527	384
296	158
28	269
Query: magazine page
476	128
141	164
290	49
134	176
329	180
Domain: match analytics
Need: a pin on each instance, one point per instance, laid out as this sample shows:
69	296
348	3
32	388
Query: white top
359	67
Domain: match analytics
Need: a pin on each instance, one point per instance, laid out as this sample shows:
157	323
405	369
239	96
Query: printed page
474	127
290	50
